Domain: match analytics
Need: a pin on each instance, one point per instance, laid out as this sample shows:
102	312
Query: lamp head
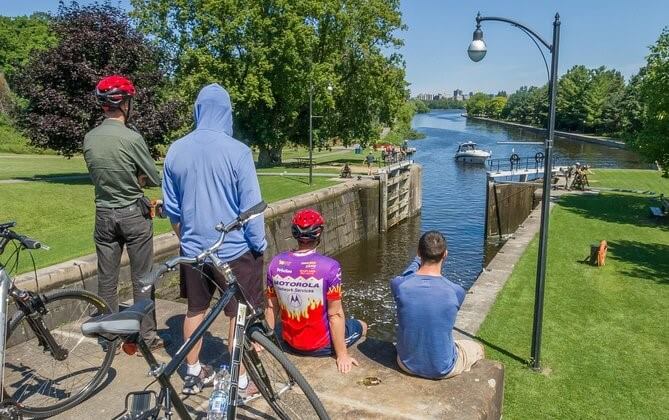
477	48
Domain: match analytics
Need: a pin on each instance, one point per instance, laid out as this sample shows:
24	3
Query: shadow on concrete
214	349
382	352
625	209
649	261
493	346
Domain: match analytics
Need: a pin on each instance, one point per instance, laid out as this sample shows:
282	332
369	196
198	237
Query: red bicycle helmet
307	225
111	91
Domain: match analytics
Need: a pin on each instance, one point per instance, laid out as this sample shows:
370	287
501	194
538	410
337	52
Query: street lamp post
477	50
311	129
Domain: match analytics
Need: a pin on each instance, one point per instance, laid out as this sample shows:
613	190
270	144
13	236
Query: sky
613	33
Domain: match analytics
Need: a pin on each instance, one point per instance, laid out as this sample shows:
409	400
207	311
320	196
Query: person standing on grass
208	178
369	160
120	165
427	306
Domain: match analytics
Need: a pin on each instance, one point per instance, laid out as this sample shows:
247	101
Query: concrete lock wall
508	205
353	210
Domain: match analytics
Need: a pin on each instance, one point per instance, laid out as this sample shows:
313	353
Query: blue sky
614	33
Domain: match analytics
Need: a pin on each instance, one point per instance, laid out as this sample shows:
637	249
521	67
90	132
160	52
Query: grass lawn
12	141
61	212
605	337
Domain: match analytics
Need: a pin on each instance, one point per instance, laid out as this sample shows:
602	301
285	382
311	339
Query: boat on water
470	153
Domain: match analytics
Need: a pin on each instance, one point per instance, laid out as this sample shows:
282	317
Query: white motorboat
470	153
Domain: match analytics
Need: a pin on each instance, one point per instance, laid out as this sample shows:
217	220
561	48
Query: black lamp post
477	50
311	129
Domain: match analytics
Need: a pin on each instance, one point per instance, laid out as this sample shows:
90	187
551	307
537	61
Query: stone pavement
473	395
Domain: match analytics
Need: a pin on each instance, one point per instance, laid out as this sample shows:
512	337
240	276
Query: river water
453	202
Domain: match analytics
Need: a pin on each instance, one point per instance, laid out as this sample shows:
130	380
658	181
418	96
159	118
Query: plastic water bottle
218	402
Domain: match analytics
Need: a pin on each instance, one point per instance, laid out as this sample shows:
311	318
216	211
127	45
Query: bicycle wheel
41	385
280	383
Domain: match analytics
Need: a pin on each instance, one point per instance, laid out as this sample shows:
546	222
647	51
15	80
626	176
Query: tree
269	55
571	98
652	141
420	106
477	104
495	106
606	87
19	37
58	83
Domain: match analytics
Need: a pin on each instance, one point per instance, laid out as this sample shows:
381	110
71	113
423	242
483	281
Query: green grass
605	336
630	179
21	166
12	141
60	212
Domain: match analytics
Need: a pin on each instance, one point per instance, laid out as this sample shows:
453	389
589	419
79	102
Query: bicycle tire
57	301
311	410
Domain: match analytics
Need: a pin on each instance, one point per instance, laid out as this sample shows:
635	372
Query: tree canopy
652	140
270	55
19	37
58	83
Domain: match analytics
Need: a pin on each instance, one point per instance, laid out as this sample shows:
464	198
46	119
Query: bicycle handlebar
25	241
153	278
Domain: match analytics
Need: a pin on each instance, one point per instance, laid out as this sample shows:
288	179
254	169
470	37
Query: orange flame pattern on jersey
334	292
313	305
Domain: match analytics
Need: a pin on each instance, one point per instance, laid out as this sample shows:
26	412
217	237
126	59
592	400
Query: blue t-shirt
426	310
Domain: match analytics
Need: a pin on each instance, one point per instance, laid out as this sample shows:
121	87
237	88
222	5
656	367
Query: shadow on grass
71	178
649	261
493	346
614	208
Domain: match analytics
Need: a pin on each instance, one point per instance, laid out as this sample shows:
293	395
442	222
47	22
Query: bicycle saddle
121	323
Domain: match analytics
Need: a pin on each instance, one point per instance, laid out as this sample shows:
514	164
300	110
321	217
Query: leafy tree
446	103
495	106
652	141
420	106
19	37
270	55
571	99
476	105
605	88
58	83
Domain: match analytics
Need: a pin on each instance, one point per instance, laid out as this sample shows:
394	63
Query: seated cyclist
305	288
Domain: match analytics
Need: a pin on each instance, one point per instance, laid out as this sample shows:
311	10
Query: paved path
473	395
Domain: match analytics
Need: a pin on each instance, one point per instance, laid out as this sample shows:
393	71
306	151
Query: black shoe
194	384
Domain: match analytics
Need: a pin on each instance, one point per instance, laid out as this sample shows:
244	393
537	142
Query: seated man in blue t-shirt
427	305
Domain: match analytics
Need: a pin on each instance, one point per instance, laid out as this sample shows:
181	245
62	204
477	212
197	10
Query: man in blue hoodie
209	177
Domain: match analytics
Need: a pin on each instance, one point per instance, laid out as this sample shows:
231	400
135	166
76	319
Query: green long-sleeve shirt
116	156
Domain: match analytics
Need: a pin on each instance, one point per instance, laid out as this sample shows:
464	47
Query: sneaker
194	384
248	394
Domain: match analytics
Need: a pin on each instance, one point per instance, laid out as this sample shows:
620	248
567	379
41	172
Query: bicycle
280	383
50	365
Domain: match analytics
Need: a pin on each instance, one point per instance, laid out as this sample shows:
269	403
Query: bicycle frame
5	282
163	372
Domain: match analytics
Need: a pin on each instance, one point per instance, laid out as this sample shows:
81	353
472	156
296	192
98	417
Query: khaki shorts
469	352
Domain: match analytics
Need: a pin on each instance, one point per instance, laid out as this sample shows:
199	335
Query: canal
453	202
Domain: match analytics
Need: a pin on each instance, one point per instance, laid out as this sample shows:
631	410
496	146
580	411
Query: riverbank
604	332
603	141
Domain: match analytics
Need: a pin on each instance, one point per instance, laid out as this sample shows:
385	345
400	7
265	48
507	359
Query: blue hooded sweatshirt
209	177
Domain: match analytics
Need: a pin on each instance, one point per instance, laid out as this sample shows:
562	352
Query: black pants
115	228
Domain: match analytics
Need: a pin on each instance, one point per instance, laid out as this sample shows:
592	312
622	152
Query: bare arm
337	323
271	311
176	227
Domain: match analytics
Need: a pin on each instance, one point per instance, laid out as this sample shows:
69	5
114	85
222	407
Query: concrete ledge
477	394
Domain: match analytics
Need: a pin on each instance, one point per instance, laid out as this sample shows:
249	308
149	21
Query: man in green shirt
120	164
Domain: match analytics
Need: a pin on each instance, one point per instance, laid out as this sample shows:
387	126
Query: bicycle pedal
140	403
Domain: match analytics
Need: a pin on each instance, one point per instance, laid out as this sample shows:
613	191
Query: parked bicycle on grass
280	383
46	365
